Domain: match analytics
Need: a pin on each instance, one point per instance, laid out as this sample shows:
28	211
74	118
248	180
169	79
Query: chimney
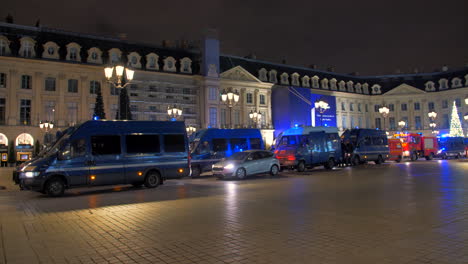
445	68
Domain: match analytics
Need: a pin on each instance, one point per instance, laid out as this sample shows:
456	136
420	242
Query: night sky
366	36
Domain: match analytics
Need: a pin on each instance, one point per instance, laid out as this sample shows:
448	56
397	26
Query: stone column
37	102
61	108
83	91
12	100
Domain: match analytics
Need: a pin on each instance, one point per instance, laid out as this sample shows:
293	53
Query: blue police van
109	153
367	145
451	147
209	146
306	147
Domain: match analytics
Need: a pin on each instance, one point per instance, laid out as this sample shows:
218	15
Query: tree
124	112
11	152
99	106
37	147
456	129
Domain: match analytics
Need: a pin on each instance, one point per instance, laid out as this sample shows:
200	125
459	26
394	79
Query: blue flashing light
241	150
444	135
326	125
173	119
296	125
95	117
377	129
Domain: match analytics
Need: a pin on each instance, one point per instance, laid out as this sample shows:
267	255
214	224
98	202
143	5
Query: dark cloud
367	36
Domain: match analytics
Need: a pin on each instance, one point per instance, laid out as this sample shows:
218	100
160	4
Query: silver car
243	164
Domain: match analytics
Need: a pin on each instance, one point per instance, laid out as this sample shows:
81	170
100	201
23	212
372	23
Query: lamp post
119	81
256	117
466	100
432	116
230	97
46	127
191	130
402	124
321	106
174	113
384	111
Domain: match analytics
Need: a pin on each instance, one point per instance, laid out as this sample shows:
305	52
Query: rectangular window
343	122
219	144
72	113
139	144
49	111
359	109
405	119
417	106
392	123
444	104
351	108
445	121
255	143
25	112
351	120
417	122
213	117
343	107
174	143
430	105
94	87
391	107
458	102
238	144
367	108
236	117
404	107
72	86
378	123
152	108
3	80
222	118
360	122
249	98
376	108
186	91
2	111
26	82
262	99
49	84
105	145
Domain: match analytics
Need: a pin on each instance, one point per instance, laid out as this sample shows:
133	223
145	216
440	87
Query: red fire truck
416	146
396	150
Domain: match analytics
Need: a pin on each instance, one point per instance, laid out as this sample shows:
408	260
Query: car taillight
291	157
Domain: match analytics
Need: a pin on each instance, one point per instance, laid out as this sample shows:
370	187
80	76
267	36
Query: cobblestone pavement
391	213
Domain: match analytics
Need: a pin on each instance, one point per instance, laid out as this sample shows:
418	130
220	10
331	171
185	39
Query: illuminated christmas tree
456	129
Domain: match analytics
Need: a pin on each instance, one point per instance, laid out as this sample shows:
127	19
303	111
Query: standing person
349	152
343	154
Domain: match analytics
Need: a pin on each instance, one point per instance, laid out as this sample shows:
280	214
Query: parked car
451	147
209	146
369	144
242	164
109	153
306	147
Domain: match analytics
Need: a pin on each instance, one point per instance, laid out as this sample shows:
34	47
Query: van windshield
58	144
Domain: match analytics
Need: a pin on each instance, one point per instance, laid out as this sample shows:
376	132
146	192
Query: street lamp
174	112
191	129
321	106
119	82
255	117
466	100
466	116
402	124
230	97
46	127
432	116
384	111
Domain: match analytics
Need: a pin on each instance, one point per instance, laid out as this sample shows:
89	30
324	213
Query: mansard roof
386	82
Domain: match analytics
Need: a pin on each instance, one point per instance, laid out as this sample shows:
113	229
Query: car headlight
229	166
31	174
439	151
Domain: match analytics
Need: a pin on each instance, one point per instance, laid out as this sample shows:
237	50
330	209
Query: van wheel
414	156
356	161
196	171
379	160
241	173
54	187
152	180
458	156
444	156
430	156
398	160
274	170
329	164
301	166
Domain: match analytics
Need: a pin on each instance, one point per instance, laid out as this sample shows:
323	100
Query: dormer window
342	84
350	86
295	79
333	84
73	52
324	83
152	61
134	60
284	78
430	87
73	55
94	55
315	82
169	64
305	81
456	82
186	65
376	89
115	55
4	46
27	47
262	75
466	80
358	88
50	50
365	88
443	84
272	78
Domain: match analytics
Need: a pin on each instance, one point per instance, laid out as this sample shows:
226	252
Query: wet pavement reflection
412	212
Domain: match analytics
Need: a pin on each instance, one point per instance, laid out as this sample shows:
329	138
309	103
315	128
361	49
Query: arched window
272	78
376	89
94	55
333	84
152	61
295	79
443	84
350	86
284	78
169	64
342	85
262	75
430	87
27	47
324	83
365	88
357	86
305	81
4	46
24	139
456	82
186	65
315	82
134	60
73	52
114	55
3	140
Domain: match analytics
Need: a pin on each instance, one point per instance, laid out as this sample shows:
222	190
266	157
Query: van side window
367	141
174	143
255	143
105	145
78	148
378	140
238	143
219	144
142	144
